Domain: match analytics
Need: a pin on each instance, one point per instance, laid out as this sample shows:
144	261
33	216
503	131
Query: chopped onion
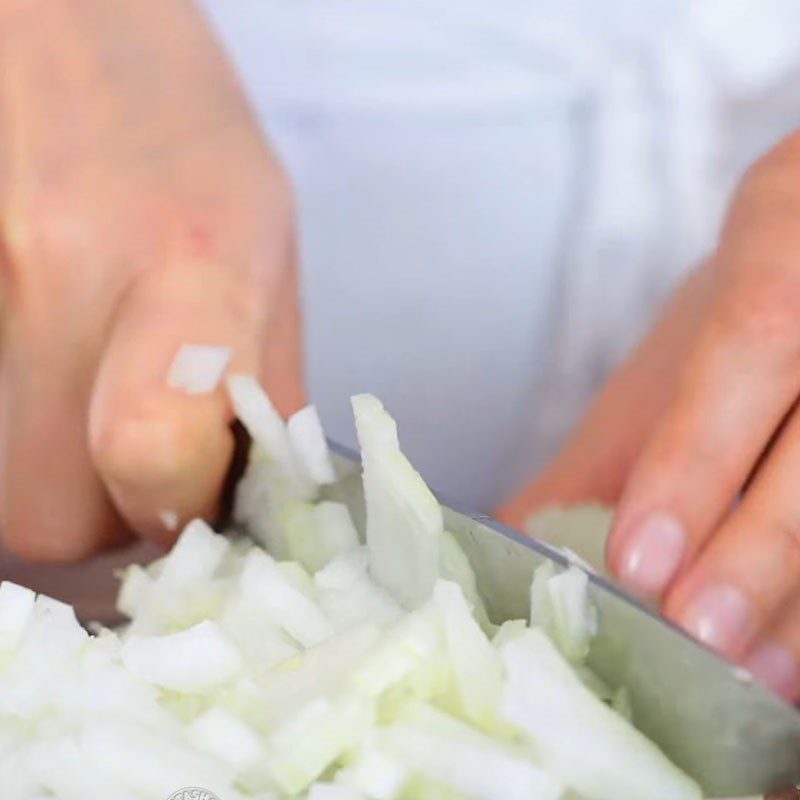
577	736
264	584
169	519
317	532
222	734
194	660
324	669
198	368
465	760
404	520
16	609
310	446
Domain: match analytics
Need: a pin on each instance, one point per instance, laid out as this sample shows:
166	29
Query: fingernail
721	616
652	554
776	667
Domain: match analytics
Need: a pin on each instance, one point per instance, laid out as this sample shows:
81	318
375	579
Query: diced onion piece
273	475
296	575
475	663
317	532
169	519
195	557
52	644
343	570
263	582
374	774
56	628
415	640
263	422
404	519
16	611
198	368
574	617
135	586
301	750
57	762
560	607
259	639
316	673
194	660
577	737
348	595
541	605
507	631
259	496
150	763
454	566
222	734
465	760
310	446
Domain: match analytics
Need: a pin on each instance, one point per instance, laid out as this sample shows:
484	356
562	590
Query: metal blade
732	735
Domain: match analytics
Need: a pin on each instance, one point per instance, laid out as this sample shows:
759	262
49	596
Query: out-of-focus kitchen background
472	178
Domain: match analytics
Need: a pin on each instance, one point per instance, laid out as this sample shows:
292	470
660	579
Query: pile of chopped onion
316	663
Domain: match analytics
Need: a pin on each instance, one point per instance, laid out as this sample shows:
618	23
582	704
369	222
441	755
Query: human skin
696	440
140	208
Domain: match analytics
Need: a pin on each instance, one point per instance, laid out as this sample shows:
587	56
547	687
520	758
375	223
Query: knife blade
727	731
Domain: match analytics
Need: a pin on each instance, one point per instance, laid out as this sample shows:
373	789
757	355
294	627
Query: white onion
258	677
198	368
16	609
194	660
310	446
169	519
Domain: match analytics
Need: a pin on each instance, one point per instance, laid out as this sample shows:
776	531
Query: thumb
594	463
163	454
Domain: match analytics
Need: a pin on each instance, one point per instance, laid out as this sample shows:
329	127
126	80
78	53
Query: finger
53	506
595	461
739	382
162	453
775	657
752	564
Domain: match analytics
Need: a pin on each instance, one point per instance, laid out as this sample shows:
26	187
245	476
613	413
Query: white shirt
494	197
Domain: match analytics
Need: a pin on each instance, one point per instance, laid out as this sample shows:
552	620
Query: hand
697	438
139	209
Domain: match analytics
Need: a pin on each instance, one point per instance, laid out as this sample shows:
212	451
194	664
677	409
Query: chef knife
712	719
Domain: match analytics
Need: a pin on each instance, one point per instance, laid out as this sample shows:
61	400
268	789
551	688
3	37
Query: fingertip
164	469
142	450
